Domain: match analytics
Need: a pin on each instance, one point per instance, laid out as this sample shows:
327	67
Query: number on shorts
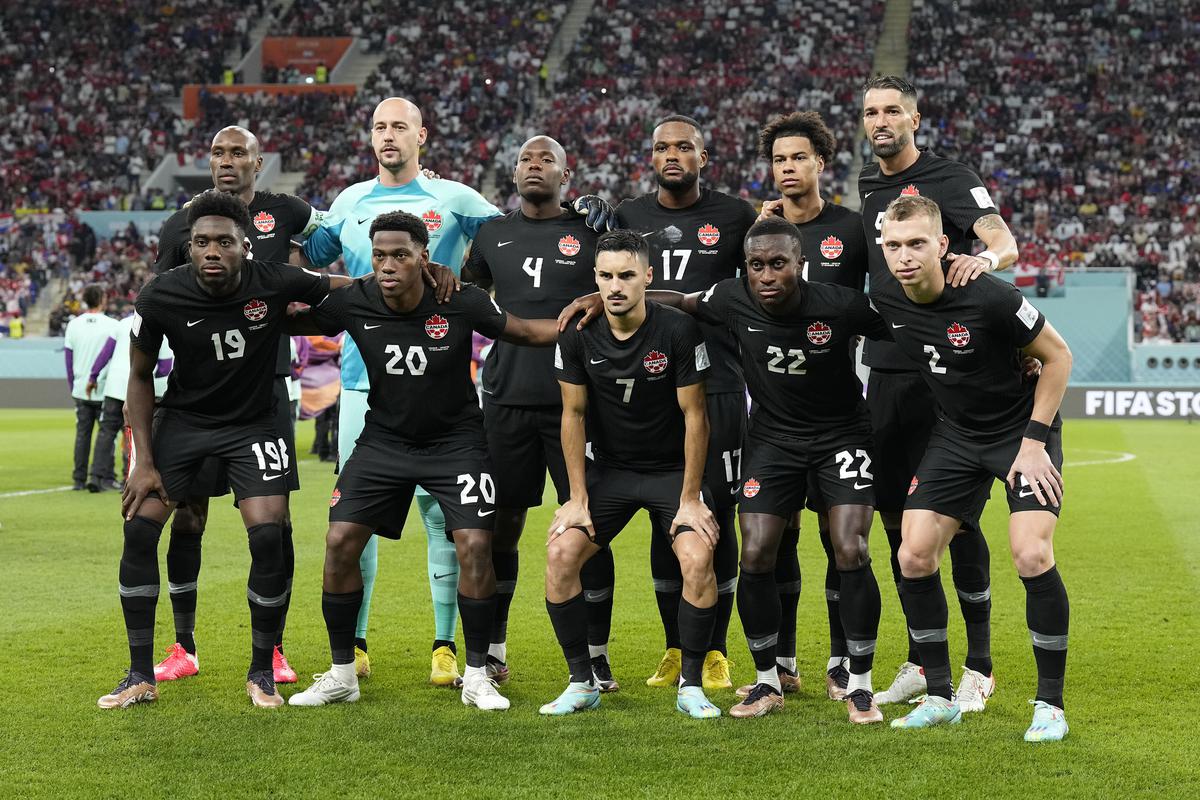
733	464
415	360
775	364
846	461
934	358
486	488
271	455
628	384
235	345
533	268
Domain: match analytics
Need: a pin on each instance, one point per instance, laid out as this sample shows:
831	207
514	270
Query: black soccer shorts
212	479
778	471
252	456
616	495
524	442
726	433
955	477
375	487
902	418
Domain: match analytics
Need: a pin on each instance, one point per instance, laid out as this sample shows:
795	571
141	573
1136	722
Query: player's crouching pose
423	427
223	314
993	425
637	375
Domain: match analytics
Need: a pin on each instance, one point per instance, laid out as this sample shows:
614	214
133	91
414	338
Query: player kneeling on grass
993	424
423	427
637	376
223	315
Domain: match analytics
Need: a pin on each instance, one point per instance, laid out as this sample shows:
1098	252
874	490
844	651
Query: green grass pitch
1128	547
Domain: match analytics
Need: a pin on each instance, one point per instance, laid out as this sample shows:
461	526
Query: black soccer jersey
835	247
537	267
633	415
956	189
225	347
418	362
967	344
799	366
277	220
691	249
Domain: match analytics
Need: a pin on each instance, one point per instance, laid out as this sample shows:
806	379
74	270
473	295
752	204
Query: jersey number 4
533	268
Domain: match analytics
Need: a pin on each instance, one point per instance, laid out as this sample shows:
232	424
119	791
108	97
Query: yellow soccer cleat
444	671
362	663
667	674
716	671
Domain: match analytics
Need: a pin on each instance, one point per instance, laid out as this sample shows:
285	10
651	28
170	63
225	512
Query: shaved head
250	141
398	108
397	134
543	142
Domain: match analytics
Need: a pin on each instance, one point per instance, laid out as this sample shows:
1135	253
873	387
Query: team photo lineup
681	352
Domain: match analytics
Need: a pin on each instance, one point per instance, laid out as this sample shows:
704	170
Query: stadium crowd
1083	117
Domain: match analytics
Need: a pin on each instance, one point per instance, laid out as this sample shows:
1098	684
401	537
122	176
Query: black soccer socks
570	621
1048	615
758	607
183	571
925	608
893	537
598	576
506	565
668	584
341	616
138	578
266	591
833	597
971	570
289	569
859	609
477	616
695	632
787	581
725	567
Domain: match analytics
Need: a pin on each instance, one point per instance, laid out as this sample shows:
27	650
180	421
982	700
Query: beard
890	149
681	184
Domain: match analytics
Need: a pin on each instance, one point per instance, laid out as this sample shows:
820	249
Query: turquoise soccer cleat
576	697
933	710
1049	723
691	701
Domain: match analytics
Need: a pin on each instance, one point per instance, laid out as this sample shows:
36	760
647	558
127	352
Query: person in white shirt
86	337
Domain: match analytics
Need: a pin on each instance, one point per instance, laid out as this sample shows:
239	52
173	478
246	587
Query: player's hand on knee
965	268
696	515
142	482
1034	465
573	514
443	280
600	215
590	304
770	208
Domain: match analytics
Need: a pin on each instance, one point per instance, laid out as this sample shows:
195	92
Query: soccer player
452	214
223	314
635	378
992	424
414	350
798	146
695	236
86	336
235	160
536	259
902	408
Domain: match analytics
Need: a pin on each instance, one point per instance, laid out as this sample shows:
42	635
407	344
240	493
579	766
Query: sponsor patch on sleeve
1027	314
982	198
702	361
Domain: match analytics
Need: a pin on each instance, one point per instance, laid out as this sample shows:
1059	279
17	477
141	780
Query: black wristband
1038	431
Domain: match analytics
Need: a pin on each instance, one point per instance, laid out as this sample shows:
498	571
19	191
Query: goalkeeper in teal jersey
452	213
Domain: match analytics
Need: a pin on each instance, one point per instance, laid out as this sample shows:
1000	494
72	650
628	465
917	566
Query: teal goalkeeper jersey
451	211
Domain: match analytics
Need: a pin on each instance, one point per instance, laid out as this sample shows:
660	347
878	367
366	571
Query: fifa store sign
1151	403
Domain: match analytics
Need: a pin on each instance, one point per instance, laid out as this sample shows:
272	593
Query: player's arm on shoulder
325	318
476	270
530	332
572	433
868	322
324	243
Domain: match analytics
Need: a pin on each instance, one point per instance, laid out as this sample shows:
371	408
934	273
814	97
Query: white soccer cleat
327	689
481	692
974	690
909	683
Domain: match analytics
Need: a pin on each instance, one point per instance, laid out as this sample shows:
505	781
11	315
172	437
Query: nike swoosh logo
365	219
197	322
486	513
502	244
370	327
597	361
894	325
437	577
755	330
760	646
267	477
923	637
1024	494
863	486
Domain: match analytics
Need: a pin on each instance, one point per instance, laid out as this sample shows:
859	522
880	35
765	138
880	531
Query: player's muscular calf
761	534
849	526
565	556
344	545
696	565
476	576
925	535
